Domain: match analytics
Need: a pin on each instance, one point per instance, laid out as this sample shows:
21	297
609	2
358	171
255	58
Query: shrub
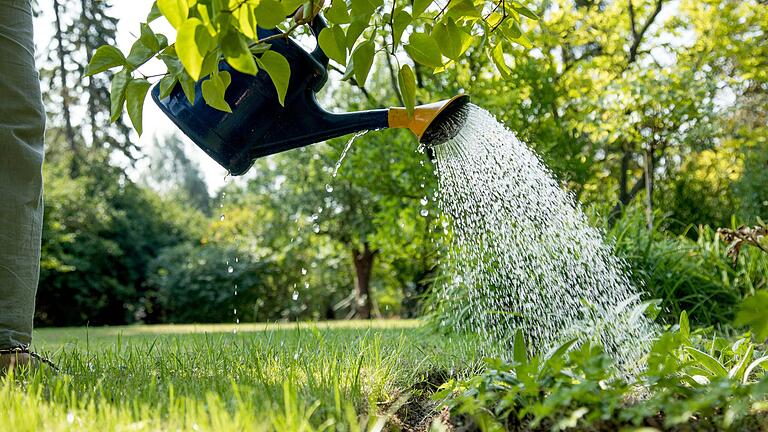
100	232
193	283
692	380
694	275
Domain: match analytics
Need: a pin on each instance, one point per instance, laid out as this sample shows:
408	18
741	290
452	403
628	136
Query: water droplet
303	271
424	201
221	218
230	269
295	295
316	228
328	188
424	212
234	311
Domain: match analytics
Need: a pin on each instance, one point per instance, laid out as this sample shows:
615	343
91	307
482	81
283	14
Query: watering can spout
434	123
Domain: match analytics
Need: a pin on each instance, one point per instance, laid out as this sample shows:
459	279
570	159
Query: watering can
259	125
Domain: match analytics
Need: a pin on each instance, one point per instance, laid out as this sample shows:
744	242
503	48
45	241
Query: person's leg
22	123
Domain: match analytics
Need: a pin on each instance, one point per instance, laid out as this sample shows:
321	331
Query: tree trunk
625	195
363	260
69	131
648	167
84	4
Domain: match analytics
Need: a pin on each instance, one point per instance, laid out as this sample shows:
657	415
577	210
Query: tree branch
637	37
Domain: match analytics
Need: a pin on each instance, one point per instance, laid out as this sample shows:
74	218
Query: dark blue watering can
259	125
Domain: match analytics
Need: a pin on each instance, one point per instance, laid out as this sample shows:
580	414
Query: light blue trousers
22	123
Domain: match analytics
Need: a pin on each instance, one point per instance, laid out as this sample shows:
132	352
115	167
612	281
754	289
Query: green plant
686	274
690	377
208	31
752	313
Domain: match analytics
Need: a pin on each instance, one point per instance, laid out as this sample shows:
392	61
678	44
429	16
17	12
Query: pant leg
22	123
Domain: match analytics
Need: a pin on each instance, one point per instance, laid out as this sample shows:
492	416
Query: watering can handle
317	25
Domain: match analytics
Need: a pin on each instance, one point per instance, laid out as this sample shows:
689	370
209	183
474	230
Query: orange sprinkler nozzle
432	123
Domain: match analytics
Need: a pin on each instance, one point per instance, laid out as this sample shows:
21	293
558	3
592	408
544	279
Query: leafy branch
211	31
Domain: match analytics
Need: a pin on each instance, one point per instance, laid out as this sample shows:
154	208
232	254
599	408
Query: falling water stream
346	150
522	255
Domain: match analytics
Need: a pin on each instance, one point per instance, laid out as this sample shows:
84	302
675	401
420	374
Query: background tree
82	113
175	174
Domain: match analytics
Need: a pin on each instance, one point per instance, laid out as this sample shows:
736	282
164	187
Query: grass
281	377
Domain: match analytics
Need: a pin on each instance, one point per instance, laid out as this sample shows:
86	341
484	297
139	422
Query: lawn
349	375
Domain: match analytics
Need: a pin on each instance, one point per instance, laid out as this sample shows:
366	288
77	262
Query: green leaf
519	350
419	6
401	20
145	47
135	94
526	12
154	13
237	54
363	58
247	21
556	355
354	31
464	10
117	93
423	49
707	361
269	13
363	9
210	63
291	5
512	30
752	313
167	83
737	371
338	13
333	43
751	367
187	86
349	71
175	11
685	326
105	58
450	39
279	70
497	54
214	89
406	82
192	43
